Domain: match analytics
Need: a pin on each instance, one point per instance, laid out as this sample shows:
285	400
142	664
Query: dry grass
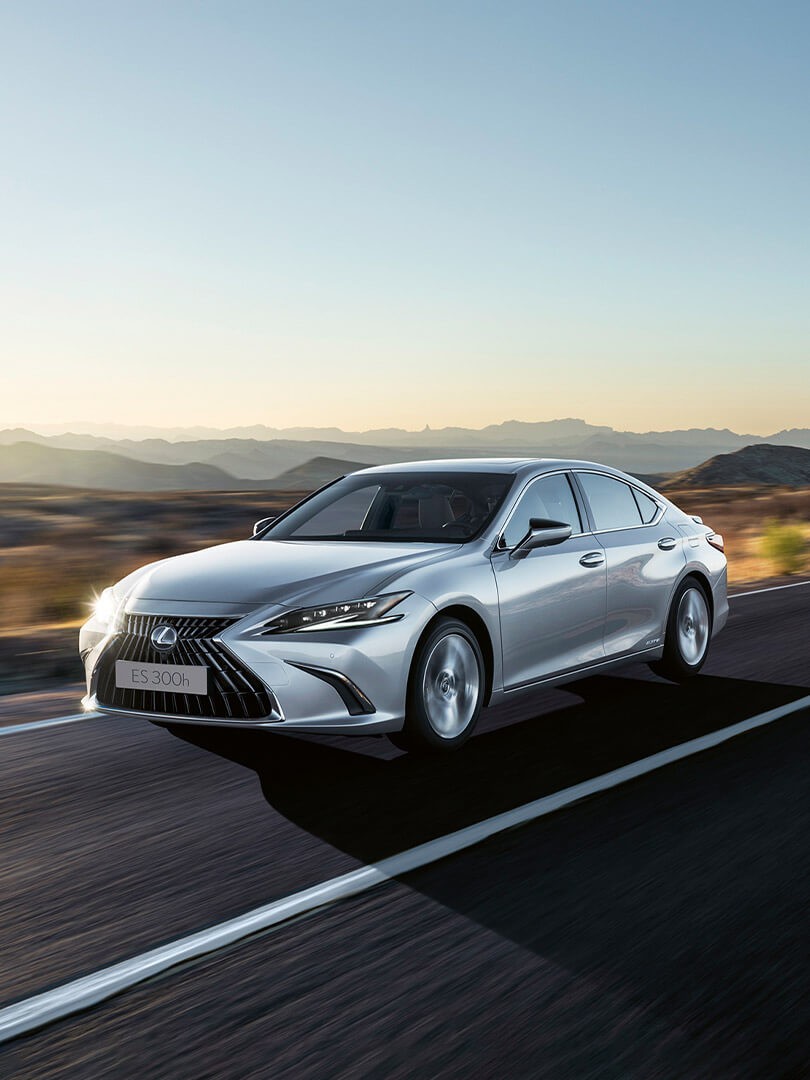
59	547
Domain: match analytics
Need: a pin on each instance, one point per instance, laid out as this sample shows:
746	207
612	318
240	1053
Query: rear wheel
688	632
445	690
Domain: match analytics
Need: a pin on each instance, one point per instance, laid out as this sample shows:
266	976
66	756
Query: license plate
170	678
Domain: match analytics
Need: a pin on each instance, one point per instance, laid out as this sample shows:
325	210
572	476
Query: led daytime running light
337	616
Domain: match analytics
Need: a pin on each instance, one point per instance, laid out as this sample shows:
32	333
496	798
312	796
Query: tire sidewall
673	658
418	731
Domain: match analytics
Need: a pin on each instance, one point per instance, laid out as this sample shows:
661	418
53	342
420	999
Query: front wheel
445	690
686	643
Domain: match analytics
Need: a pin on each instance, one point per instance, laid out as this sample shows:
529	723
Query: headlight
352	613
106	607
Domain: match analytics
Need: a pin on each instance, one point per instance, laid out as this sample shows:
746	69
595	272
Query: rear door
644	555
552	602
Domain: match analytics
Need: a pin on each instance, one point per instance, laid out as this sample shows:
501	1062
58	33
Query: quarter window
612	502
648	507
547	497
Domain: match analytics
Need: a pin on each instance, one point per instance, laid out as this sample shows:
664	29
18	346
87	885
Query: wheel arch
702	579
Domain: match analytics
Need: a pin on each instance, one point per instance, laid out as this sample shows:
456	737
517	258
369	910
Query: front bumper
342	681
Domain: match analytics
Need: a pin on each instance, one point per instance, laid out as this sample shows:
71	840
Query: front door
552	602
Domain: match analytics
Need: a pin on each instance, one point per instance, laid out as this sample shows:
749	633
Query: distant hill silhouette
315	473
30	463
786	466
263	460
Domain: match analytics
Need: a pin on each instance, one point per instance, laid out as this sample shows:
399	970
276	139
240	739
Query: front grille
234	692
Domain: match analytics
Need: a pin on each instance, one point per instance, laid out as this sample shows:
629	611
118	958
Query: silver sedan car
403	599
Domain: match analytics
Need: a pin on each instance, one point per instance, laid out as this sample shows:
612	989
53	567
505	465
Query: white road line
54	721
72	997
771	588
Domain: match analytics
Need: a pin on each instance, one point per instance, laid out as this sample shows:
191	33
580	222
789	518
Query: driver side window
547	497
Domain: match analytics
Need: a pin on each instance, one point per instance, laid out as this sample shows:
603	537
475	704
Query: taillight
716	540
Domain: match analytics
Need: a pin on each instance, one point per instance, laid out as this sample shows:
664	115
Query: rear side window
612	502
647	507
548	497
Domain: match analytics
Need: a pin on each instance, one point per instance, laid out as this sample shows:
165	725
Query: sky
404	213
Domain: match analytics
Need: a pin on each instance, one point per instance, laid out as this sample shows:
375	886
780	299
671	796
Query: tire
445	690
688	633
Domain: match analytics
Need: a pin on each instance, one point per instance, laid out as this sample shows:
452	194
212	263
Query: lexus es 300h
403	599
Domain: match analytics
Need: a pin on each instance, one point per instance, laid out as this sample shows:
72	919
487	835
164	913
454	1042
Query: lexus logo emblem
164	638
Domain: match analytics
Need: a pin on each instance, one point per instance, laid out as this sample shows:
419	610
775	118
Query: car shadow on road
660	928
371	807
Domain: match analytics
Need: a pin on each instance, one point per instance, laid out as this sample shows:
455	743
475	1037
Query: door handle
667	543
593	558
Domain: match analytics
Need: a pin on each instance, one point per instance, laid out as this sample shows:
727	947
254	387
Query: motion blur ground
60	545
641	933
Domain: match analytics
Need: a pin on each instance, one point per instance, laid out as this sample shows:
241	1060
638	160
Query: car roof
469	464
514	465
491	464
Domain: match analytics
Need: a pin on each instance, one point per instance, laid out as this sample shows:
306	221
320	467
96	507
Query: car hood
256	572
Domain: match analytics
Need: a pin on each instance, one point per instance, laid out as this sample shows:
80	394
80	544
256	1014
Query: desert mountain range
262	458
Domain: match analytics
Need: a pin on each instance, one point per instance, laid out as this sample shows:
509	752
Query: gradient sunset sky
405	213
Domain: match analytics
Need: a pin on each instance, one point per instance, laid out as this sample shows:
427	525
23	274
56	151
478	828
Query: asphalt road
656	930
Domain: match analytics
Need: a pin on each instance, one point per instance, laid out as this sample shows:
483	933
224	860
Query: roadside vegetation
786	546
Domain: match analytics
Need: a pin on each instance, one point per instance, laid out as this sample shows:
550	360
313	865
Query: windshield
432	507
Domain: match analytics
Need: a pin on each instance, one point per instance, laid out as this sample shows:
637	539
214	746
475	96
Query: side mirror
542	533
262	524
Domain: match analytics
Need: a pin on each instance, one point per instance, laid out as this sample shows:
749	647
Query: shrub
785	546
